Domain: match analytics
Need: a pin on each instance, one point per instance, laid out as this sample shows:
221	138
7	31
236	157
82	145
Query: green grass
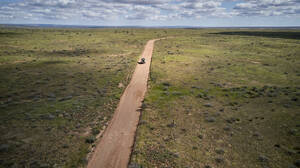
57	86
222	98
217	97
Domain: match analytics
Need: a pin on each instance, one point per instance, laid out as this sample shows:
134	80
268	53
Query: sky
205	13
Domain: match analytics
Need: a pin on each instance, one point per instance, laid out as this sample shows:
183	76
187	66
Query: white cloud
99	10
268	7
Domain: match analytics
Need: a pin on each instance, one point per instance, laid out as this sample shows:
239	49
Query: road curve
113	150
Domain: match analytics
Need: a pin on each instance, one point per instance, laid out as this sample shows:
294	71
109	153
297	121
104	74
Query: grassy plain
222	98
59	88
216	98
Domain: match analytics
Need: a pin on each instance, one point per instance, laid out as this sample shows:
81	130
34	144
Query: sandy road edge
141	108
104	135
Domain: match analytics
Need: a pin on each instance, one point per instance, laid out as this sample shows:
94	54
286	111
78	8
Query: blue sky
152	12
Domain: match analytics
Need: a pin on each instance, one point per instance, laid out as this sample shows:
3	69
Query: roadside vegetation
222	98
59	88
216	97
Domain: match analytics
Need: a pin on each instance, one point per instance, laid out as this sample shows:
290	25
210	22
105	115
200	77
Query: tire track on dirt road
114	148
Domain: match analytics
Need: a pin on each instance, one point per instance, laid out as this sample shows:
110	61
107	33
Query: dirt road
113	150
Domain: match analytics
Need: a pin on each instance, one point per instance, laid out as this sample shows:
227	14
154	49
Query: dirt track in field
114	149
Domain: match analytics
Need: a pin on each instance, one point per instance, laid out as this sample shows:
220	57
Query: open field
222	98
59	88
216	97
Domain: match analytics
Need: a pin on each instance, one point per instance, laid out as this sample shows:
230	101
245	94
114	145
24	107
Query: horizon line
134	26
